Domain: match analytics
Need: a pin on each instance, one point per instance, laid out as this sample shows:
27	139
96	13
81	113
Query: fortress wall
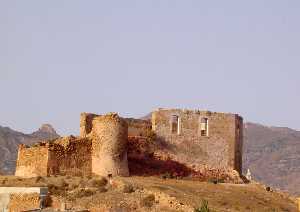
220	149
109	146
138	127
86	123
102	146
32	161
64	156
70	156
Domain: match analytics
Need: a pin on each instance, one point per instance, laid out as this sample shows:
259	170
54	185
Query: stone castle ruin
183	142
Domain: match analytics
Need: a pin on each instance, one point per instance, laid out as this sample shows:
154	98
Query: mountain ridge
10	140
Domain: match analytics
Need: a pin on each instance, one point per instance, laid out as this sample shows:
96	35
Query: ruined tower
109	145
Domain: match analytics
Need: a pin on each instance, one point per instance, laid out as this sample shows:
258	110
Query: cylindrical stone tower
109	152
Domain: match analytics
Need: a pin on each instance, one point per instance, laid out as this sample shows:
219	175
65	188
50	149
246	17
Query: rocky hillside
154	194
273	156
10	140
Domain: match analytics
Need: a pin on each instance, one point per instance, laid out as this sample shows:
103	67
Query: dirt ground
155	194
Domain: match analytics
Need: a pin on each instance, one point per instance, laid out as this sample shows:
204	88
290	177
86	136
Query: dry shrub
4	181
81	192
150	135
96	182
38	179
73	185
61	183
57	186
128	188
148	201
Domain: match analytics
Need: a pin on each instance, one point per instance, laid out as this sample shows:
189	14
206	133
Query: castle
107	144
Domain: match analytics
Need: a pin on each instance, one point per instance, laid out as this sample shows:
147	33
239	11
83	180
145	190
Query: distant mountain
273	156
11	139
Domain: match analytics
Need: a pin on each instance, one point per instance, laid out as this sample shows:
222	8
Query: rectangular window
175	124
204	127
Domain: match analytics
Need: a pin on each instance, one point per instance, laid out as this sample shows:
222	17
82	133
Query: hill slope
273	156
10	140
155	194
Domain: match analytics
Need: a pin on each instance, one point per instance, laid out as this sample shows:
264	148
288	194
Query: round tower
109	152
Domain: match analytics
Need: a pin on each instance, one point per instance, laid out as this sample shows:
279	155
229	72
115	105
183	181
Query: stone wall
17	199
70	156
86	123
109	145
23	202
198	139
32	161
64	156
221	148
138	127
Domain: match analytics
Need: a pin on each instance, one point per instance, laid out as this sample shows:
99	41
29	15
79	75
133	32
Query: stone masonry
201	137
17	199
109	152
197	139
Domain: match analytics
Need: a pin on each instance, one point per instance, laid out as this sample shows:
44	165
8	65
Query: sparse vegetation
204	207
97	182
167	175
148	201
128	188
216	181
81	192
153	192
150	135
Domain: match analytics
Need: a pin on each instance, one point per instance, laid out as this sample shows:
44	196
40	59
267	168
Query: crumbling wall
86	126
102	146
138	127
64	156
219	149
32	161
70	156
22	202
109	145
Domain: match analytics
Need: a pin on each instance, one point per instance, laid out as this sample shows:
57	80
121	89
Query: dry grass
141	193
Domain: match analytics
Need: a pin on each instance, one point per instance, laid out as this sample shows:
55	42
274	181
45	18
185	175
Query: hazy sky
59	58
